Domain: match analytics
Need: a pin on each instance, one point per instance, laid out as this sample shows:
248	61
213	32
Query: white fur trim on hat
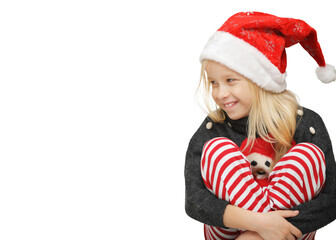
326	74
245	59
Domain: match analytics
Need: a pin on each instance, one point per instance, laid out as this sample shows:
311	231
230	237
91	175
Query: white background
97	107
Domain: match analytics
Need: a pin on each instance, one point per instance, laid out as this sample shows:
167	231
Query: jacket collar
239	125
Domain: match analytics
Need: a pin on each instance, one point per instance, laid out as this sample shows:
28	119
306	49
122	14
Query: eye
212	82
230	80
254	163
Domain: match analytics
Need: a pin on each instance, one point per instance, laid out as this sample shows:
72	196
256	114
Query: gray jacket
205	207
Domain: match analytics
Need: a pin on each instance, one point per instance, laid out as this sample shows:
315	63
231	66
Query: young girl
244	71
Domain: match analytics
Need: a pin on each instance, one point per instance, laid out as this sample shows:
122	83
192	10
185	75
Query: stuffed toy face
260	156
260	165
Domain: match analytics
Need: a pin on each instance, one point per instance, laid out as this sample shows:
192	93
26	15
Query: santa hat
260	146
253	44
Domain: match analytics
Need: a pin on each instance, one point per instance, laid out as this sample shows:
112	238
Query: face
230	90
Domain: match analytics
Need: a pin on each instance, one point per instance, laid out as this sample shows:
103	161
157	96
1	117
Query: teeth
228	105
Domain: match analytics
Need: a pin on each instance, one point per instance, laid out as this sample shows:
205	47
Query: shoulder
309	118
311	128
207	130
308	113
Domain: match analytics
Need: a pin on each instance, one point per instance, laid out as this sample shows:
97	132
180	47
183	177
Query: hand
273	225
249	235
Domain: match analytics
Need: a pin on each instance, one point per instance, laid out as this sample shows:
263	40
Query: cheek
246	96
248	99
214	94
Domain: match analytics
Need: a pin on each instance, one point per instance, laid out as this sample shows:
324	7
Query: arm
200	203
267	226
321	210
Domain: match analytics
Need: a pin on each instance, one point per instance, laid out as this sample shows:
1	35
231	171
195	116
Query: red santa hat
253	44
260	146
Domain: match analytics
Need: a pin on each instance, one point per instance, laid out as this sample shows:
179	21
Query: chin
236	116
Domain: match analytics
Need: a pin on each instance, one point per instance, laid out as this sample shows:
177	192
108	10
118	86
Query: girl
244	69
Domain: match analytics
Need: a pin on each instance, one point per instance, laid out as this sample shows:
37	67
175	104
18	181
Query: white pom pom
326	74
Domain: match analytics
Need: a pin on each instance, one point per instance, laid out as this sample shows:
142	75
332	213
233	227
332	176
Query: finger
296	232
290	237
288	213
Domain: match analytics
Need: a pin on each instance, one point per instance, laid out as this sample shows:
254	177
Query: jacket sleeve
200	203
321	210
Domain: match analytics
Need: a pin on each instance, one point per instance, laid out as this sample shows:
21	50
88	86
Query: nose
223	92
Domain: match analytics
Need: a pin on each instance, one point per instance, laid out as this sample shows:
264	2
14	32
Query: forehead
215	69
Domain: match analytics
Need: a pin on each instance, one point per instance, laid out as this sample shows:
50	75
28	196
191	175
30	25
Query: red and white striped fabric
297	178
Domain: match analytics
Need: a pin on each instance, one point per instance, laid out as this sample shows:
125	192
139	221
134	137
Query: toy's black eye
267	163
254	163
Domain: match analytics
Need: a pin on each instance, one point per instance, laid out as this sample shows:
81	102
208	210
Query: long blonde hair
272	115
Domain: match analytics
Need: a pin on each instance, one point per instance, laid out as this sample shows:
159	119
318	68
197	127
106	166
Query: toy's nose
254	163
267	163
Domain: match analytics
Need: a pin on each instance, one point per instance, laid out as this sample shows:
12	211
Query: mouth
230	104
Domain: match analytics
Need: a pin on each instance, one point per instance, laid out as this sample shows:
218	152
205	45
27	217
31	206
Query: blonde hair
272	115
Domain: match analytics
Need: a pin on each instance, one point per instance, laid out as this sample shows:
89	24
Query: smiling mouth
229	105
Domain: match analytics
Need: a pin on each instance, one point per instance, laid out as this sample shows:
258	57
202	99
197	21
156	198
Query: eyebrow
225	76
